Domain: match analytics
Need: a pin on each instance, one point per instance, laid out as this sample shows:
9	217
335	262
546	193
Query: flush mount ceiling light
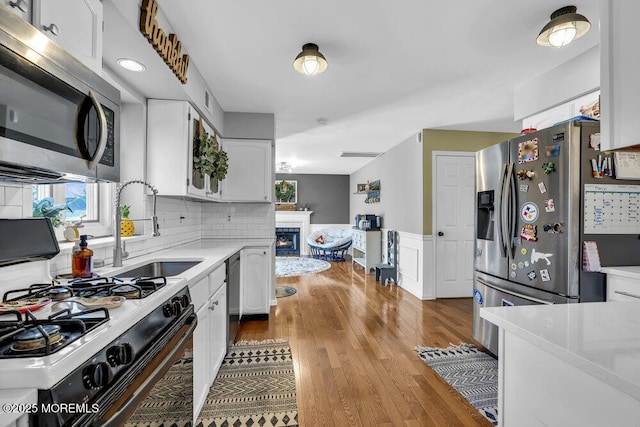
565	26
131	64
310	61
284	167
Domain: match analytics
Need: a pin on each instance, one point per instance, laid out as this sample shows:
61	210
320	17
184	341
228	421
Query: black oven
58	119
114	382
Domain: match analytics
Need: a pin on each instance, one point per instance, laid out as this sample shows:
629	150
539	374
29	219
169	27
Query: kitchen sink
160	268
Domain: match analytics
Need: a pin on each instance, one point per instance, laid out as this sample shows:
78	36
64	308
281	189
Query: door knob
440	233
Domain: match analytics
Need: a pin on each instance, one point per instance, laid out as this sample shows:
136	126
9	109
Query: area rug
471	372
295	266
255	386
285	291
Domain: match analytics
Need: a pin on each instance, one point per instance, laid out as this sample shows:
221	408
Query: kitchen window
86	202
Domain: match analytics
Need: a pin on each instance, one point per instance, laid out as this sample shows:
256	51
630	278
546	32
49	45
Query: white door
454	181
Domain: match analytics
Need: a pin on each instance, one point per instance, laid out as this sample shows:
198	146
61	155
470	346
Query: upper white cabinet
171	127
620	60
250	175
76	25
21	8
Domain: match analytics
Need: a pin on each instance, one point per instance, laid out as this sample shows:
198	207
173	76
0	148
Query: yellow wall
449	140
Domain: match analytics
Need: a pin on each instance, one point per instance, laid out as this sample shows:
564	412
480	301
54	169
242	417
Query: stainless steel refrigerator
530	223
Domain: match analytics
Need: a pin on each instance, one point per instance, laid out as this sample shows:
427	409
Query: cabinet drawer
217	278
199	293
622	289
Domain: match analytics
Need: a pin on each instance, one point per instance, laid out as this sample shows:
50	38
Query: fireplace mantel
299	219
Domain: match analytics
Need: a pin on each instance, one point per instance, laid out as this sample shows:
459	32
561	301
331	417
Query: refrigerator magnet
549	206
528	232
514	266
537	256
532	275
528	151
523	251
542	187
513	274
525	174
549	167
552	151
524	188
529	212
526	263
558	137
521	265
594	141
554	228
544	275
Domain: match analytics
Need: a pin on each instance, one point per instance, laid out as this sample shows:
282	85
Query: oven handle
177	347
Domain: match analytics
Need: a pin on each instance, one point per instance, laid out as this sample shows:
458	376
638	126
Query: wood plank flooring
353	344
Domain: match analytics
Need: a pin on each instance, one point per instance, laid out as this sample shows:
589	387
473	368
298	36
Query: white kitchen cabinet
201	360
21	8
366	246
256	279
171	126
76	25
623	283
217	331
250	174
619	62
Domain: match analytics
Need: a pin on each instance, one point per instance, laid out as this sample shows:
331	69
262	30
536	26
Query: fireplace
287	241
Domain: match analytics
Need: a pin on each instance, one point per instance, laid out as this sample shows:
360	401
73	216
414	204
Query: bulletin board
611	209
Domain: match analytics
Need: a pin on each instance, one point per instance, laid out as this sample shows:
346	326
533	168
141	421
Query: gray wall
400	173
327	196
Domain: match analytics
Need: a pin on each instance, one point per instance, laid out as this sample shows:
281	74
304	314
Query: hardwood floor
353	344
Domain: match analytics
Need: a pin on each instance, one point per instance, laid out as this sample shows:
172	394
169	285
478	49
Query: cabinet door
255	281
217	331
201	360
76	25
21	8
250	174
196	183
619	62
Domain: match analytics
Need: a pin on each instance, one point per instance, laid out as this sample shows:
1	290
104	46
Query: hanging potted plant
210	160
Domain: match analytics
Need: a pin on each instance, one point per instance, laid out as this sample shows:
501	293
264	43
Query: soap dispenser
82	259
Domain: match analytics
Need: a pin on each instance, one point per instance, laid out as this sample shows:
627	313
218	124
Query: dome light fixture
285	167
310	61
565	26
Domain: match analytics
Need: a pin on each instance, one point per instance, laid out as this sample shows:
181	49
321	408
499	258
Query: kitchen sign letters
168	47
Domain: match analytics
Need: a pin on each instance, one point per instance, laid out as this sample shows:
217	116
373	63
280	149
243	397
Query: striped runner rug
473	373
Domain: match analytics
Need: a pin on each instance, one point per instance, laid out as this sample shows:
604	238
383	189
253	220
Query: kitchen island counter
568	364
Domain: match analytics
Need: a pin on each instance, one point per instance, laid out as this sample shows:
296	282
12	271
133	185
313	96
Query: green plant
208	158
124	211
45	208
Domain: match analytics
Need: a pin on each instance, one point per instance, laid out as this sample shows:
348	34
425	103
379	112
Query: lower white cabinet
256	279
217	331
622	288
200	360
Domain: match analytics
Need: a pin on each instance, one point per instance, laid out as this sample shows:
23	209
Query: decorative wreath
208	158
284	191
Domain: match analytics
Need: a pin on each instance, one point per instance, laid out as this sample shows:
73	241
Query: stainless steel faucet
118	250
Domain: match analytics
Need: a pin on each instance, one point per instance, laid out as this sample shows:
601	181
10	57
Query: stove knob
121	354
167	310
96	376
177	308
184	301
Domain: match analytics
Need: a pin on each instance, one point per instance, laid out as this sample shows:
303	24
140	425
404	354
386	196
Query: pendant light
310	61
565	26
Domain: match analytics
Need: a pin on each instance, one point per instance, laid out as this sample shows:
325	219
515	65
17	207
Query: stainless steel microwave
58	119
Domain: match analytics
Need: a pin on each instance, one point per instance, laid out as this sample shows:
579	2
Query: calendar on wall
611	209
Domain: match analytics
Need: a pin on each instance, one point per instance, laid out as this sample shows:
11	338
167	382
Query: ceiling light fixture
131	64
565	26
310	61
284	167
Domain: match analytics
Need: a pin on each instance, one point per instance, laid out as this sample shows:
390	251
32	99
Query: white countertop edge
23	396
572	358
630	271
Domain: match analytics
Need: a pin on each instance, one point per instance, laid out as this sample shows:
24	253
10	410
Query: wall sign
168	47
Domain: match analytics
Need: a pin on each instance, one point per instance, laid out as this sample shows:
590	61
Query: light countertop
631	271
602	339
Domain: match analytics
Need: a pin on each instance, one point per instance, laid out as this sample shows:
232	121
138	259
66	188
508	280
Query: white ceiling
394	67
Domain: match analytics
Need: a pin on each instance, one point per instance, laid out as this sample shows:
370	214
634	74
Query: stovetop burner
26	336
135	288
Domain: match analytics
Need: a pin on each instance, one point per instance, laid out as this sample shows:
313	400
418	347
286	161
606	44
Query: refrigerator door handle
505	210
515	294
501	212
513	214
